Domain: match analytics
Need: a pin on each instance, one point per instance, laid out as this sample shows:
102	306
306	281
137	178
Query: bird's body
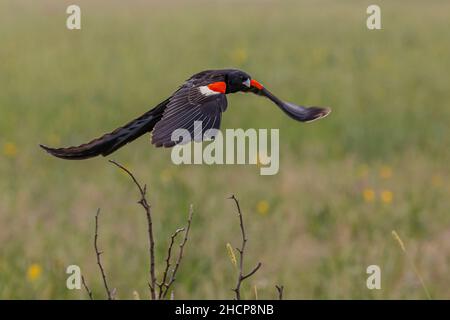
201	98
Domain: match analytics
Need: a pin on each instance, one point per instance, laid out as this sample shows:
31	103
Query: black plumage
201	98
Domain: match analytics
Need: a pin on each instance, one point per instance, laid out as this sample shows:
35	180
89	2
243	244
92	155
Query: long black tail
110	142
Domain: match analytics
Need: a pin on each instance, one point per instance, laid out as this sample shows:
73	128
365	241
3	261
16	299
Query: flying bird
201	98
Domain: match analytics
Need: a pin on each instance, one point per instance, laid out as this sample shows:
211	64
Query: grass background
378	163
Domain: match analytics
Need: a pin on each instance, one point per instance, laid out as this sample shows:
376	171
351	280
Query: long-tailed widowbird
201	98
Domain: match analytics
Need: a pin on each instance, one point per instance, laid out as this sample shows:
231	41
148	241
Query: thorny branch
89	292
143	202
242	276
162	284
180	254
99	261
168	280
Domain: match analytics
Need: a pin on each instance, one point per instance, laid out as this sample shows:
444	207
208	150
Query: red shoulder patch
218	86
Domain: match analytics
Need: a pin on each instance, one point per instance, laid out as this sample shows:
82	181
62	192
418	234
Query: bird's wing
189	104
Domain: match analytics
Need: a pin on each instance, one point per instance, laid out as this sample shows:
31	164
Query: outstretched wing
190	104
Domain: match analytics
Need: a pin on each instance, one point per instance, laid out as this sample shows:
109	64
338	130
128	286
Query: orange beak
256	84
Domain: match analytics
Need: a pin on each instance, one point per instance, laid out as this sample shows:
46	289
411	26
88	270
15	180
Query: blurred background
378	163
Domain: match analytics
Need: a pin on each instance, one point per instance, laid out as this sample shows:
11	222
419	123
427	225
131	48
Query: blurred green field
379	162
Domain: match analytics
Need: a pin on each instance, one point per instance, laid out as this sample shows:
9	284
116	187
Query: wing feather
186	106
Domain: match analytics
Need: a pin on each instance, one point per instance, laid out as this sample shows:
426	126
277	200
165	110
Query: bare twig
143	202
280	290
163	283
180	254
99	261
242	276
89	292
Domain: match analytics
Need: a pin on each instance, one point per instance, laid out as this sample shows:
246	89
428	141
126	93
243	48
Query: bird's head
238	80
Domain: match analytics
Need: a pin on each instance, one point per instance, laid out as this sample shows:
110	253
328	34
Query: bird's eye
246	82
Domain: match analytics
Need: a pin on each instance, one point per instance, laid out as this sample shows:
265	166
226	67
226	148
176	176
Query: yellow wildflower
368	195
34	272
385	172
262	160
387	196
10	149
262	207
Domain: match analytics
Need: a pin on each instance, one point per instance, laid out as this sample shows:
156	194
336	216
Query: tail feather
110	142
